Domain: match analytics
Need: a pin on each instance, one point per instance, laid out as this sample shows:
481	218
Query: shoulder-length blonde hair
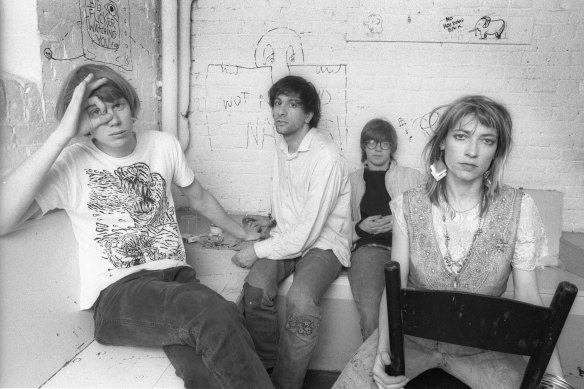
490	114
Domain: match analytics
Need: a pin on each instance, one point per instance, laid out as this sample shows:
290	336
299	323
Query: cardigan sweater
398	179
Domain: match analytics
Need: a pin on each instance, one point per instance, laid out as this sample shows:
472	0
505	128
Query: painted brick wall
423	54
27	108
22	122
26	119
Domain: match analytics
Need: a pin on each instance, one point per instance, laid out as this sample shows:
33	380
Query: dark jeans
367	280
202	334
288	352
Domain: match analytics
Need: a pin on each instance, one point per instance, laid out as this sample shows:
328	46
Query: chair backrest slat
560	309
472	320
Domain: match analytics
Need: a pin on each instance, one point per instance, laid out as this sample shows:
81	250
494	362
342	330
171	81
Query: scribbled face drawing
112	10
289	115
116	137
279	48
374	24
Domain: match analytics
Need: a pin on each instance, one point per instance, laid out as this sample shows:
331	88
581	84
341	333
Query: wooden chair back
474	320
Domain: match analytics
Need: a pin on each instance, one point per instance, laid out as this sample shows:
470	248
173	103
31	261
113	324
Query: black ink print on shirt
144	230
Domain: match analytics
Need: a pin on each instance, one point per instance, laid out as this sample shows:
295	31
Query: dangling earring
438	169
486	178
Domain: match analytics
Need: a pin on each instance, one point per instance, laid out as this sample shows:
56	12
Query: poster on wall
105	26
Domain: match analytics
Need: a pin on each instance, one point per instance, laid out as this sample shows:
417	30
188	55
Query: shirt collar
304	145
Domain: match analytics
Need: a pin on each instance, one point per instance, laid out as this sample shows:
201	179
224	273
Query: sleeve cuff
263	248
188	181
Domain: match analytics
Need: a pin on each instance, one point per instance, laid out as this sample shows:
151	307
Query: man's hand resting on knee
246	256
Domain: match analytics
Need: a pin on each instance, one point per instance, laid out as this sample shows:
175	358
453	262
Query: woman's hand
382	380
377	224
77	121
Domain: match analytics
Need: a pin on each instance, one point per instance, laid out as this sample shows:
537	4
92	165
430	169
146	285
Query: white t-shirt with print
121	209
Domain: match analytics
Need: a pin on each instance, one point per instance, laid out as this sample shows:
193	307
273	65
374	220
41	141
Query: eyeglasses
372	144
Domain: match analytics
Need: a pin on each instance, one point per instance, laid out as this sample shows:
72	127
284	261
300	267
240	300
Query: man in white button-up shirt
311	207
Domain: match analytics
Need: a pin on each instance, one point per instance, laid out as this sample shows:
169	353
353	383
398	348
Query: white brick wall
541	80
27	107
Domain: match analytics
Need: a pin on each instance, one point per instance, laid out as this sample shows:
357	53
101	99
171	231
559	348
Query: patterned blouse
510	235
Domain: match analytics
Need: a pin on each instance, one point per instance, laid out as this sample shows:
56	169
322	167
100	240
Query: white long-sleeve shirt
311	200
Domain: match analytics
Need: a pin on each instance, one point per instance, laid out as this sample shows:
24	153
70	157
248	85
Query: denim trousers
477	368
367	280
202	334
288	351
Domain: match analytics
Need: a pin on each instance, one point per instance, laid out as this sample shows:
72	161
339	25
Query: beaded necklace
448	257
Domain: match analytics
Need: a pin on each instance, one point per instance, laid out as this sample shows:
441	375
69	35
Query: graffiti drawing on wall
374	24
451	24
237	101
485	26
105	32
426	28
279	49
423	125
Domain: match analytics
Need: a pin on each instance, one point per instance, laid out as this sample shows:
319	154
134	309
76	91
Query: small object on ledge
190	238
215	238
214	230
552	381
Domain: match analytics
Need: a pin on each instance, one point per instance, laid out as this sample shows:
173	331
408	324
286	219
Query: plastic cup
188	224
214	230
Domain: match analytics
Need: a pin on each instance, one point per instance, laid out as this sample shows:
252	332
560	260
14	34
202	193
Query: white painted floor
99	366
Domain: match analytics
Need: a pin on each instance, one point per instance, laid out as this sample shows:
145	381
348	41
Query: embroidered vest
489	265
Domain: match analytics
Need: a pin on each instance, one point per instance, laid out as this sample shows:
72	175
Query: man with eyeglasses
312	235
372	188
